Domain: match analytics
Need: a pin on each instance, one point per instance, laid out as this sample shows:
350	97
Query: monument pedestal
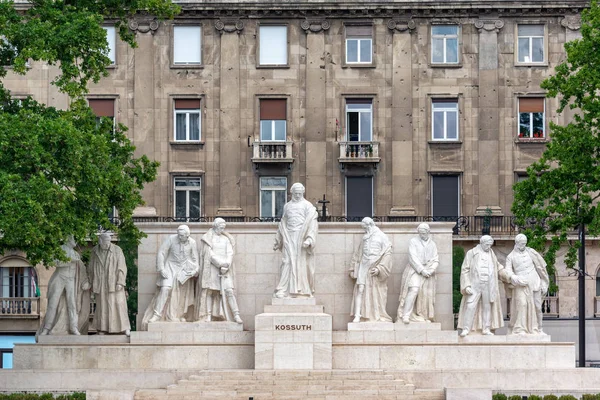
293	333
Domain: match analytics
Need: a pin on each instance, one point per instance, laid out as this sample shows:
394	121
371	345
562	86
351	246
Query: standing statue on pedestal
417	293
480	308
526	274
371	267
68	295
108	273
176	262
216	299
296	238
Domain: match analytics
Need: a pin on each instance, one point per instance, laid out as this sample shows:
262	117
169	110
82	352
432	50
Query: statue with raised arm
296	238
525	272
176	263
480	308
216	298
371	266
68	295
107	273
417	292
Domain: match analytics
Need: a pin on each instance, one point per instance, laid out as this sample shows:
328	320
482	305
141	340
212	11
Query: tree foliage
62	171
563	186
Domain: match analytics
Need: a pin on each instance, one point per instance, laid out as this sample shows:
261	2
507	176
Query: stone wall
257	266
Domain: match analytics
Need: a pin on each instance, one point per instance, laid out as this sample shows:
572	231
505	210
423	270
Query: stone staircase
289	385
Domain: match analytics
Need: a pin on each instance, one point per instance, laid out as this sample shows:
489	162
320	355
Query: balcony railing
20	307
549	307
359	152
272	152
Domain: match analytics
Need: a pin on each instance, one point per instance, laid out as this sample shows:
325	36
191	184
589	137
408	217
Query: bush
550	397
515	397
567	397
499	396
534	397
591	396
458	255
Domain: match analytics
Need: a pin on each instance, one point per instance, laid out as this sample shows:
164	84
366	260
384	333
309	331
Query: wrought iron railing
19	306
463	225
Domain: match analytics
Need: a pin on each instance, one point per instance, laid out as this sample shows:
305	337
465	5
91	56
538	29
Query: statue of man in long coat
107	273
371	267
296	238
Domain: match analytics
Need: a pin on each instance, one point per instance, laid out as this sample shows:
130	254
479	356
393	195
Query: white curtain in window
273	45
186	45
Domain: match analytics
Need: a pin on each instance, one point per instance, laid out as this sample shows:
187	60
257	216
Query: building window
187	45
531	117
530	43
359	120
187	120
17	282
359	44
273	48
444	44
273	191
445	196
111	39
444	116
103	108
187	198
359	197
273	124
598	285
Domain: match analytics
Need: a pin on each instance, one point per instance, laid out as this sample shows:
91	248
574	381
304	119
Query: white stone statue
107	273
526	274
296	238
371	267
417	292
480	308
68	295
176	263
216	300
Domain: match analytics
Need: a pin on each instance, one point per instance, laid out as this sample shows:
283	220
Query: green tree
458	256
62	171
563	186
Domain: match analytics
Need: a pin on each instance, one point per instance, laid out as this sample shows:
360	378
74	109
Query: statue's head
423	230
104	240
486	242
297	191
367	223
70	242
520	241
183	232
219	225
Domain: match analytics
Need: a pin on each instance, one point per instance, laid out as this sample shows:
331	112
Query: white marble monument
107	275
296	238
480	308
418	290
525	273
215	299
176	263
371	266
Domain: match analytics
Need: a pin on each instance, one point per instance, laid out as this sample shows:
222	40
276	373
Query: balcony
549	307
19	307
272	153
359	153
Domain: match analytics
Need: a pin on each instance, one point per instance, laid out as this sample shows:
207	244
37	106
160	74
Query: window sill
531	140
274	66
198	143
187	66
112	66
540	64
353	65
445	65
445	142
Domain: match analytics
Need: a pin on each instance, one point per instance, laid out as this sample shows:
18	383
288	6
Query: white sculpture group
69	291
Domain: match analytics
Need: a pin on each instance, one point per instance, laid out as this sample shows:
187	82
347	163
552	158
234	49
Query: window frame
260	120
288	112
544	119
358	64
113	98
433	37
360	111
459	179
273	197
187	190
372	178
259	25
112	45
445	111
172	131
543	63
191	65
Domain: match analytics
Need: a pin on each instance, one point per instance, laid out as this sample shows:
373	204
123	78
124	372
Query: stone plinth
296	334
217	332
194	326
474	337
394	333
82	339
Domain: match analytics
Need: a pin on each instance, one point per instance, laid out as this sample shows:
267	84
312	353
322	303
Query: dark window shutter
187	104
272	109
365	31
103	107
531	104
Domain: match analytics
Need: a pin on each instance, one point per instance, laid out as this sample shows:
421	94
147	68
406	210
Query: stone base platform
491	339
82	339
218	332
